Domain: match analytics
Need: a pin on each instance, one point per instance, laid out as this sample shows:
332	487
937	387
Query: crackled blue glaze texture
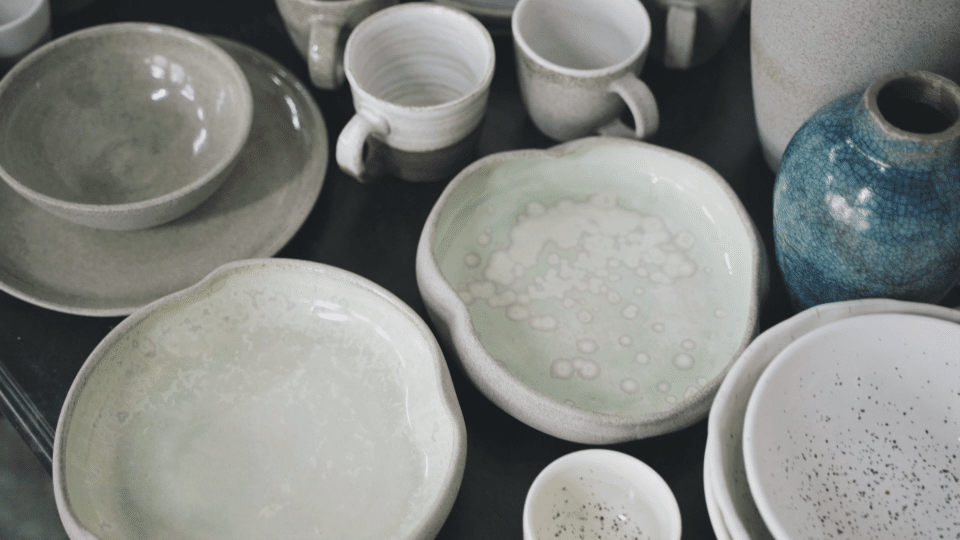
863	209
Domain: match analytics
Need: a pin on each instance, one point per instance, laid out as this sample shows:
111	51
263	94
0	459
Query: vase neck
911	118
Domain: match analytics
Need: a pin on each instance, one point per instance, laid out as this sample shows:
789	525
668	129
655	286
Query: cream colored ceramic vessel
53	263
420	75
724	455
274	399
806	54
578	63
597	291
319	30
123	126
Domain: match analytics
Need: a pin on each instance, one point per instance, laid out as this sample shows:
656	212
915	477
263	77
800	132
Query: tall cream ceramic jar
806	53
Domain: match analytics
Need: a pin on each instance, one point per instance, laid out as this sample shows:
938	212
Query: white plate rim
713	508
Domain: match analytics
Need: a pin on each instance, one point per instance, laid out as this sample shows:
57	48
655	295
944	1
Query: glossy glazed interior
612	279
122	114
277	399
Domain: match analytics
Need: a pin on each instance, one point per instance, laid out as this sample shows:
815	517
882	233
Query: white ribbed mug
420	75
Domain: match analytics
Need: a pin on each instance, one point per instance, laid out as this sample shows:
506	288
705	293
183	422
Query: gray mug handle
325	54
681	31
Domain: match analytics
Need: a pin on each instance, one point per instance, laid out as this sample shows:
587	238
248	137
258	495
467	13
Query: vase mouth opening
915	104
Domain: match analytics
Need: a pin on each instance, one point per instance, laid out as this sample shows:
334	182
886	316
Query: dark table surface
372	230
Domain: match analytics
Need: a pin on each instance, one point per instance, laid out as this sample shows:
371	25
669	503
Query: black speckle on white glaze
867	461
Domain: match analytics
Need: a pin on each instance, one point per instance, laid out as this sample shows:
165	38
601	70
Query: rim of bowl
245	113
441	505
448	11
760	353
710	497
651	484
514	396
37	7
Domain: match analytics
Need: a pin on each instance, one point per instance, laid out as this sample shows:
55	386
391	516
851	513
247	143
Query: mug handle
681	31
639	99
353	146
325	54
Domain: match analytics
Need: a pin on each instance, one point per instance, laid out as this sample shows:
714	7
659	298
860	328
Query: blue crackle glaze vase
867	198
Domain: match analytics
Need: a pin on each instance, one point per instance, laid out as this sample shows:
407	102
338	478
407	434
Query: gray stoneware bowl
123	126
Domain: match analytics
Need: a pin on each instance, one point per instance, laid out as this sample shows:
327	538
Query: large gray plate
53	263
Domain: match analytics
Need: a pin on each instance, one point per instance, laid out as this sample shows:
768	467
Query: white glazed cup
24	25
319	29
420	75
592	489
578	62
689	32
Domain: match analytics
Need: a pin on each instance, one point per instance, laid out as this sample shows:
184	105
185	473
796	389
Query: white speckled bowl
597	291
600	494
852	431
274	399
724	453
123	126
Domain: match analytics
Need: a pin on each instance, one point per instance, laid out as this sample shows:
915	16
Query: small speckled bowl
274	399
852	431
600	494
123	126
598	290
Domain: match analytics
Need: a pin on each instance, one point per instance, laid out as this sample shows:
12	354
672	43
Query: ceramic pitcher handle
639	99
325	55
352	145
681	31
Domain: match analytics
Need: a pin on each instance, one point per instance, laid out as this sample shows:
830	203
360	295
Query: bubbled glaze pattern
596	291
863	209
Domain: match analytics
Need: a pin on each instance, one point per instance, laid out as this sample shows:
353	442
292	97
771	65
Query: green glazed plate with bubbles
597	291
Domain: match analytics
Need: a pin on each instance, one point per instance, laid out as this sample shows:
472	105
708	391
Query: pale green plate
274	399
